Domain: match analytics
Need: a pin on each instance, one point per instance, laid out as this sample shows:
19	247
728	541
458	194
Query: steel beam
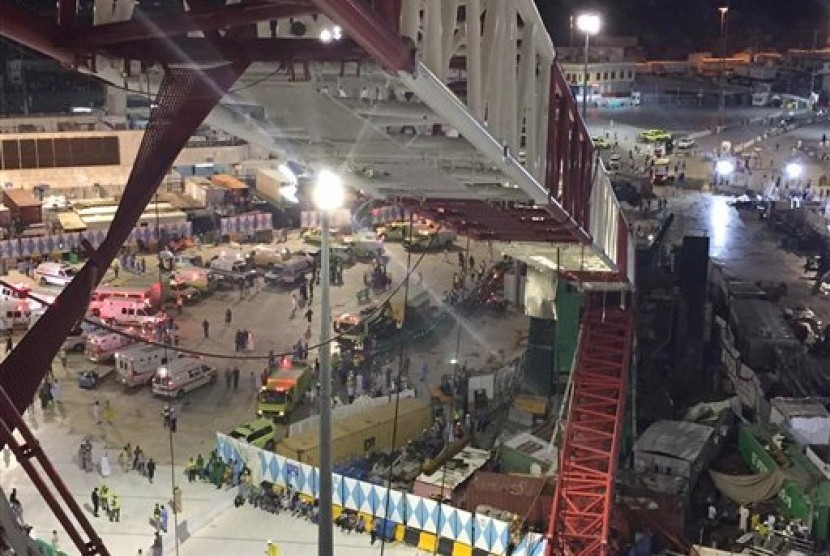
67	15
25	28
185	98
377	36
581	512
157	27
184	50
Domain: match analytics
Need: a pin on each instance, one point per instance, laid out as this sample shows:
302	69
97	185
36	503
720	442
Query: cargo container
526	497
23	206
268	185
363	434
204	192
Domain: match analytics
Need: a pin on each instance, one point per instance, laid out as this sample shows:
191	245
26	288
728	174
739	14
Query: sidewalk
208	524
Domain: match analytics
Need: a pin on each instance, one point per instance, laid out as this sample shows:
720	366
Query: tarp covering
748	489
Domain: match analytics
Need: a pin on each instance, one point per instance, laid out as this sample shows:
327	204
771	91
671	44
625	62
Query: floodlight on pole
329	195
793	170
724	167
590	24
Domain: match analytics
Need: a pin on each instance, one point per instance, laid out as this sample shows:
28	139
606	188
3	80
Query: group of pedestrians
134	459
104	498
232	378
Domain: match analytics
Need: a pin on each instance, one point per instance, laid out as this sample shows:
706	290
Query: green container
73	258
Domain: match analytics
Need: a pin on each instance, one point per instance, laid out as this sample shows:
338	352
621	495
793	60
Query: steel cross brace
185	98
581	512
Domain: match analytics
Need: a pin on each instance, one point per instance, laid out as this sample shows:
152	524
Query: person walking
235	378
57	392
64	359
294	305
9	344
96	412
151	469
228	374
206	328
109	412
105	498
115	509
272	549
157	517
309	314
228	316
174	419
164	518
157	545
96	500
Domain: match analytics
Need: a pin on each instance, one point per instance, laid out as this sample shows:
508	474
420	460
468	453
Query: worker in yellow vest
272	549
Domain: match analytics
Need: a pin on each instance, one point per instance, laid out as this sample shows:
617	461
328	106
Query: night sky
671	28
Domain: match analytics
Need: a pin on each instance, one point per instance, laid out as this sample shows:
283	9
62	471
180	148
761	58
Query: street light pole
324	528
328	196
723	11
589	24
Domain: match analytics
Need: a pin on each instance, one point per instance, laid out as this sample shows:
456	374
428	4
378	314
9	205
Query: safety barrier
419	521
68	241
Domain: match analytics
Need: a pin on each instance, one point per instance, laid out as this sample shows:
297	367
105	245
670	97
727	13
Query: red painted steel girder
377	35
581	513
40	35
204	50
507	221
158	27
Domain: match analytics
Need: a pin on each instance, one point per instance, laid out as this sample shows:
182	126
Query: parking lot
266	313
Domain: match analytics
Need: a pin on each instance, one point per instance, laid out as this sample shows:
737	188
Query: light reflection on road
722	219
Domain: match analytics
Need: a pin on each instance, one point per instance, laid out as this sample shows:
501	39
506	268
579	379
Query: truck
284	390
383	320
436	238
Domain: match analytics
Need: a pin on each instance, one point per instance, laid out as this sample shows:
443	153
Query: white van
101	346
127	312
15	313
57	274
182	375
137	364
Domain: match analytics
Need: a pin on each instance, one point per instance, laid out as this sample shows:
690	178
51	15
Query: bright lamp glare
589	24
724	167
337	32
793	170
325	35
329	193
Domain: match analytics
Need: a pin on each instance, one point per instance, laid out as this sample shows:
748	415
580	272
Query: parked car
685	143
601	143
654	135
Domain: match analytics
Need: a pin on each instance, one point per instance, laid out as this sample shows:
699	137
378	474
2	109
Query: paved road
208	524
266	314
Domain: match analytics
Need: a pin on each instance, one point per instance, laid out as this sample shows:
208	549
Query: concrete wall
76	180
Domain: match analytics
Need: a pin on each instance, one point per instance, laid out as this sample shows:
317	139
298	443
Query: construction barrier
419	521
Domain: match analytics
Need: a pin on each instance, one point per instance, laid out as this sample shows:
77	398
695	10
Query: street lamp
793	170
328	196
723	11
724	168
589	24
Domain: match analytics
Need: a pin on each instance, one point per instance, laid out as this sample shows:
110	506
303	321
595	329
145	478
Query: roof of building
800	407
21	197
457	470
678	439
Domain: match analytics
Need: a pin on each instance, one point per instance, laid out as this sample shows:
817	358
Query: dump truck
284	390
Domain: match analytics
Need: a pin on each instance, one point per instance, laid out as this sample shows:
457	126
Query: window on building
605	76
599	76
613	75
630	74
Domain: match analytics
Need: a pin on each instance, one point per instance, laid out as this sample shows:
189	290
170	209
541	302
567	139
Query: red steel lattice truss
581	514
